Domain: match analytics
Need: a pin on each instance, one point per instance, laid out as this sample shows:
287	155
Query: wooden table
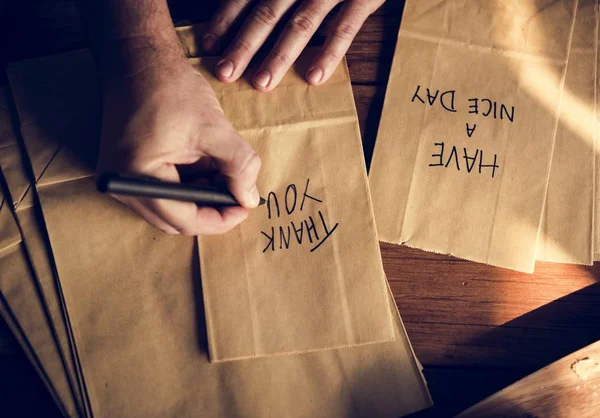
475	328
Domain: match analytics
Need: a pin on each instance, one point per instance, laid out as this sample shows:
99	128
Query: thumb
238	162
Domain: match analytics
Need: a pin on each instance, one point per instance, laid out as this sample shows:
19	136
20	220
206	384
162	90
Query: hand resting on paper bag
163	120
262	18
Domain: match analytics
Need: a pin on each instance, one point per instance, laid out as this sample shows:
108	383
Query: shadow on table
455	389
537	338
548	333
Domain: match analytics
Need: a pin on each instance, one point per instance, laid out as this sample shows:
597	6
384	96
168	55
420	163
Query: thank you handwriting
311	230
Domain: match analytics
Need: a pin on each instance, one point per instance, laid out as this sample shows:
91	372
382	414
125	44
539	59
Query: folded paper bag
22	304
463	151
23	311
597	166
10	238
16	173
566	234
138	321
304	270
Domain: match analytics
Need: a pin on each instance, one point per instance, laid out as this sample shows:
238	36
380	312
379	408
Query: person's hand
163	120
262	18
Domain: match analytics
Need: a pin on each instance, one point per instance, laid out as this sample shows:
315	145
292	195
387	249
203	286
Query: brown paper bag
597	168
24	307
17	181
567	230
10	238
304	271
138	319
463	152
25	314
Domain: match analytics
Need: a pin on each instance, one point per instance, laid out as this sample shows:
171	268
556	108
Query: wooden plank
567	388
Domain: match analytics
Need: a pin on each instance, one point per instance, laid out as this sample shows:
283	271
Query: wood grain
567	388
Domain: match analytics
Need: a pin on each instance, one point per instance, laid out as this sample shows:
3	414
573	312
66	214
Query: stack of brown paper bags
486	146
115	315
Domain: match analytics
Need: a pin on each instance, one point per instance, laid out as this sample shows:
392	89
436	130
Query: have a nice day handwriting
312	231
473	159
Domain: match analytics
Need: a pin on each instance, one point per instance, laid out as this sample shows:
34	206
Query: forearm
128	36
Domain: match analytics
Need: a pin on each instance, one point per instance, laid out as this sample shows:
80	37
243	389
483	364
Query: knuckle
220	21
243	160
242	46
227	14
265	13
368	4
279	57
332	56
346	31
239	3
250	164
216	21
302	24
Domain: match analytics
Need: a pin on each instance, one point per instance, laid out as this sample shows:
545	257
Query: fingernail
225	68
253	197
315	75
263	78
209	42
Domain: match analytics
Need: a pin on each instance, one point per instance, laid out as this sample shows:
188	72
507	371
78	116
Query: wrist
143	55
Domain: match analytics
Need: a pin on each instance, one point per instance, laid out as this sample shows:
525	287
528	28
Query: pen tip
261	202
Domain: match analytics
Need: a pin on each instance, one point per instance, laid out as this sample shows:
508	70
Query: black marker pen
132	185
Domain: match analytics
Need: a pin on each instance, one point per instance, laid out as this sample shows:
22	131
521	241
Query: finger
292	41
186	218
347	24
211	221
150	217
236	160
224	18
257	28
190	220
